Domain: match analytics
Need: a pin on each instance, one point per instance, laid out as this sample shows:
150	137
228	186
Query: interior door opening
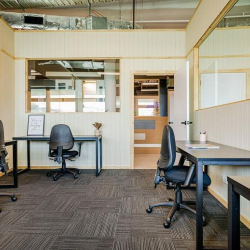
153	104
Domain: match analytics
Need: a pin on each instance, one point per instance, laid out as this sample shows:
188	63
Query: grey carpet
104	213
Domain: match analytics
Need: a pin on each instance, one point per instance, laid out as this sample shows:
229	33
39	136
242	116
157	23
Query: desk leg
28	160
199	205
96	158
15	164
233	218
100	154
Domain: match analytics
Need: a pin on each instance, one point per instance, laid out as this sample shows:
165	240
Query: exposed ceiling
149	14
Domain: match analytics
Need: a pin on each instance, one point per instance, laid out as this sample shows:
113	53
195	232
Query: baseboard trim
78	167
243	218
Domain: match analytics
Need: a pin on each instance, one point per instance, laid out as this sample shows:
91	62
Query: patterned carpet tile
52	223
108	205
92	225
133	243
141	225
25	241
82	243
104	213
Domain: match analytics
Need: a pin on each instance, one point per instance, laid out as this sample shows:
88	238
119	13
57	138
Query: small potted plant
97	125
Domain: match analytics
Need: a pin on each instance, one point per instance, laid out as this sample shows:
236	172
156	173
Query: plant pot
97	132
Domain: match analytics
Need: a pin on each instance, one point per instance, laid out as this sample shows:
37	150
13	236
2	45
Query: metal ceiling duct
48	22
31	4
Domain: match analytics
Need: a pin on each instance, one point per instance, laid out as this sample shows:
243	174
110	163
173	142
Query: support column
110	87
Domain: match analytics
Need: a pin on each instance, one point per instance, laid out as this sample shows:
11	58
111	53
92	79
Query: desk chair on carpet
3	164
61	141
174	176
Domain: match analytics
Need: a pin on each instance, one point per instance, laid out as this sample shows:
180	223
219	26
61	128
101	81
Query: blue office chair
174	176
60	145
3	164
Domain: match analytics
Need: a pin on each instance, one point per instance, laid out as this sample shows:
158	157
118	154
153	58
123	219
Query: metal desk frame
235	189
80	138
225	155
15	183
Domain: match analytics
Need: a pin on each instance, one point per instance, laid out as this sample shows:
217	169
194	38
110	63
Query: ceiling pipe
133	14
89	4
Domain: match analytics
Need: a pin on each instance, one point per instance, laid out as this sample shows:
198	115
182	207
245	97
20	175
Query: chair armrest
59	154
190	176
80	148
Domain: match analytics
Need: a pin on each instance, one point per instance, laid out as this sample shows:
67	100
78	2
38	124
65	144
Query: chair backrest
168	149
61	136
2	142
3	152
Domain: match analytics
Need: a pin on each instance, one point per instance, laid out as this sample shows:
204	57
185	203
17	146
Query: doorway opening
153	109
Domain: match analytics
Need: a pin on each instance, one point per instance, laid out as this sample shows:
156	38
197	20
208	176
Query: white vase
97	132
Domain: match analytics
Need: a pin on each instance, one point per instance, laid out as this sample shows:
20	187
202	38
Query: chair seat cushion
178	174
66	153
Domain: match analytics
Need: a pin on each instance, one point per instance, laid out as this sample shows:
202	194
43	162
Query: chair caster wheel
13	198
54	178
167	224
204	223
75	176
79	171
149	210
48	174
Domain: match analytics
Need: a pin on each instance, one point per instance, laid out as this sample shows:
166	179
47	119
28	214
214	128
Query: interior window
73	86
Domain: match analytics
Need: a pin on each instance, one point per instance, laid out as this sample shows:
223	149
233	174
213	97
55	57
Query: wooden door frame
132	117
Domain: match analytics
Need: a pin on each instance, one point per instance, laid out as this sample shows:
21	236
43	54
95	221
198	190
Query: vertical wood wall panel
206	13
227	125
116	126
6	38
7	83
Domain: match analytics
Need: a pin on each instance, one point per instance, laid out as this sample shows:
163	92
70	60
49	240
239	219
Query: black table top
46	138
223	153
240	181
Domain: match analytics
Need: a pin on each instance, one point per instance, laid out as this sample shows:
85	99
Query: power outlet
224	179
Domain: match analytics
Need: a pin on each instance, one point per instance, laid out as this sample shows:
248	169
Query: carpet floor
103	213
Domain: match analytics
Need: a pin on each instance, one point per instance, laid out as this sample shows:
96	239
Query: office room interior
148	75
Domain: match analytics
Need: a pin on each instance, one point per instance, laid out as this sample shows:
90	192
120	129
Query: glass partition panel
224	60
73	86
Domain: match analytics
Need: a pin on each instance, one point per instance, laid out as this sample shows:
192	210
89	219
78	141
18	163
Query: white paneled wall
227	125
139	50
75	44
223	42
6	38
206	13
7	84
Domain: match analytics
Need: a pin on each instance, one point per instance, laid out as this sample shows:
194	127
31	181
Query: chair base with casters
61	171
176	204
180	176
12	196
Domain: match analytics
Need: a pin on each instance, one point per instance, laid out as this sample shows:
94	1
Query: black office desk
237	185
78	138
15	183
224	155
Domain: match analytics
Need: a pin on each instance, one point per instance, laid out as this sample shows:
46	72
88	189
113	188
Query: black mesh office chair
3	164
61	141
174	176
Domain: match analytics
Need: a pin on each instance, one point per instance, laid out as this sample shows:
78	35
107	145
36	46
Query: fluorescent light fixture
150	83
149	89
87	82
69	74
109	73
94	96
163	21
